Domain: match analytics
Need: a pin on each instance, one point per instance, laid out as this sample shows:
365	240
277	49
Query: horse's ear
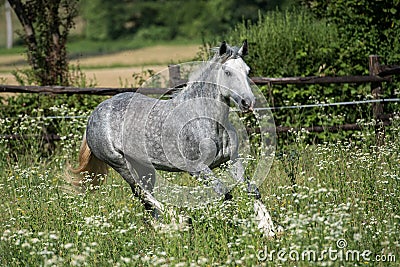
222	48
244	49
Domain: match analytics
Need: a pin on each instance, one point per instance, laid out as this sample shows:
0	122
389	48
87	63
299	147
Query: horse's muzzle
246	105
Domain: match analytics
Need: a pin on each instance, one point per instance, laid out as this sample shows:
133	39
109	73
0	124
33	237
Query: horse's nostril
245	103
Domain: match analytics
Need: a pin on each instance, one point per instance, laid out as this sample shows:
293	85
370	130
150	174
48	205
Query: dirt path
113	70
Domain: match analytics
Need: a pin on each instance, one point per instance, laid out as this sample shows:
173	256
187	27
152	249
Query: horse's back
105	127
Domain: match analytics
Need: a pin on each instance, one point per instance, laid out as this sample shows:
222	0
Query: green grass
319	194
16	50
79	46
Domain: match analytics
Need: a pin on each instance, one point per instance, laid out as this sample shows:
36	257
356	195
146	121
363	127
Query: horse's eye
228	73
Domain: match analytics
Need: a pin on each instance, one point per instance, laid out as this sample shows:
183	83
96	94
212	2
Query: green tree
165	20
46	25
365	27
105	19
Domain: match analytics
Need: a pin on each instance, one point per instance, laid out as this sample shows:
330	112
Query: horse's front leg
236	169
262	216
206	176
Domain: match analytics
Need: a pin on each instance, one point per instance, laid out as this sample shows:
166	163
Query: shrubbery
298	43
191	19
365	28
290	43
51	112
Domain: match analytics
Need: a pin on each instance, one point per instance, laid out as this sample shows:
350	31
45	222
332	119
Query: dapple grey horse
191	132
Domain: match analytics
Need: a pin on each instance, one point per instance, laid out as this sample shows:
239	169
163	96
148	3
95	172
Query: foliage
365	28
21	108
104	18
295	43
167	20
298	43
27	104
46	27
290	43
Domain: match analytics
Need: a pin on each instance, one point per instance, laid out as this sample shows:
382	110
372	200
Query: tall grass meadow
338	196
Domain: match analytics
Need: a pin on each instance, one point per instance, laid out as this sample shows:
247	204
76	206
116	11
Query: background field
112	69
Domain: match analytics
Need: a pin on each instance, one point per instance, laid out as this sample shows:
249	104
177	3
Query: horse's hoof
264	220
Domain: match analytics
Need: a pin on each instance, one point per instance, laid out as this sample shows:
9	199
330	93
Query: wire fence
317	105
383	100
378	74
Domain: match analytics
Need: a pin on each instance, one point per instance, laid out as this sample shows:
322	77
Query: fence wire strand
257	109
333	104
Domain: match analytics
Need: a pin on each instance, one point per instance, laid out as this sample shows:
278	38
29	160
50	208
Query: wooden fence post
377	108
174	75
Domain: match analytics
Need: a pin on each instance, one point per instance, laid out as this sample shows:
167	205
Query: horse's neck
200	89
202	82
207	88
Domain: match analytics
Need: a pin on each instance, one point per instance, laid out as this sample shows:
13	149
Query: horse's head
232	76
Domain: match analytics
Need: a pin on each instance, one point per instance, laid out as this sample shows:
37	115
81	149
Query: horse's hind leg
149	202
144	194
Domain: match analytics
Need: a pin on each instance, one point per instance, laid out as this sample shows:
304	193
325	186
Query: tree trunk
21	11
9	25
46	26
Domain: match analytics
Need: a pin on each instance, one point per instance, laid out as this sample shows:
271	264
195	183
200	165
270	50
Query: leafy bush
155	33
365	28
294	43
290	43
298	43
22	109
104	19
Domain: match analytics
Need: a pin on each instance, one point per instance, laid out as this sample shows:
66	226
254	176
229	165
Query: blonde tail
91	171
